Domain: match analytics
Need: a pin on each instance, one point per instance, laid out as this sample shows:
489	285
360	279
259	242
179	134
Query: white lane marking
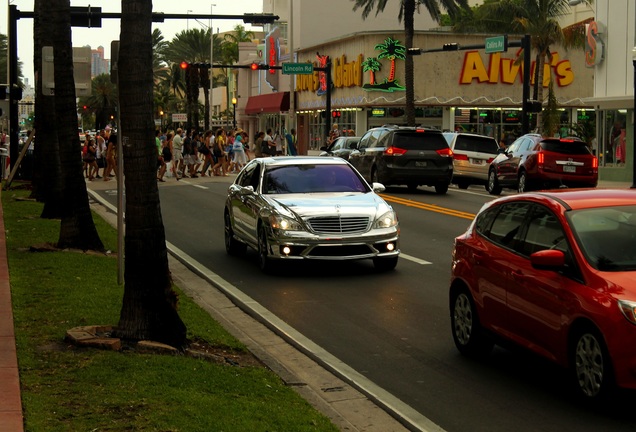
415	260
192	184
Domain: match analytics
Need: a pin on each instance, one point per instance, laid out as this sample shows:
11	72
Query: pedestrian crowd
190	153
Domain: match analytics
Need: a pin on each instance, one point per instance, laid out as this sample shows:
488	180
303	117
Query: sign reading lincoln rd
298	68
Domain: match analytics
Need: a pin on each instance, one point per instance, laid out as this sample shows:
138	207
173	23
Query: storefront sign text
505	71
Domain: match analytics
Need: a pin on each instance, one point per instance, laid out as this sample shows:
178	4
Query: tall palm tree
149	304
47	171
407	12
102	100
77	228
539	19
193	46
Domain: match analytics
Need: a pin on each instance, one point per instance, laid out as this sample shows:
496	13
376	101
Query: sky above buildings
110	27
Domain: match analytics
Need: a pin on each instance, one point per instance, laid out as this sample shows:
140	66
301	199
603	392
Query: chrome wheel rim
463	319
491	181
522	183
589	365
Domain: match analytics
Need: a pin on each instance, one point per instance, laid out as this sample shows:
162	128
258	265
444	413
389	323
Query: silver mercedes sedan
309	208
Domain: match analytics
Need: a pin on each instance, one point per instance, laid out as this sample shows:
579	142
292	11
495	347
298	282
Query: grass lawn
66	388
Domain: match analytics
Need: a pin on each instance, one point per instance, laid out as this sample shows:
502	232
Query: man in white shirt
177	150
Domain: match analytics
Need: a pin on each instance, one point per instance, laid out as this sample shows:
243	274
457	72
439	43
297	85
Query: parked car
535	162
554	273
341	147
472	155
412	156
309	208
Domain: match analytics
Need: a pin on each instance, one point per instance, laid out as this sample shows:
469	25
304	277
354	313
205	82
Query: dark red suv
536	162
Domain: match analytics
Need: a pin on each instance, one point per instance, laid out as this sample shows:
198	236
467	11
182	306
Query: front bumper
296	245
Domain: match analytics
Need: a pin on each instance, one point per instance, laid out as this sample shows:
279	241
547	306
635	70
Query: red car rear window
566	147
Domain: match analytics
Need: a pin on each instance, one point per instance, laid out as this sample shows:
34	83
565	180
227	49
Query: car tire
412	187
385	264
463	184
264	261
374	176
232	245
468	335
441	188
492	186
522	183
591	365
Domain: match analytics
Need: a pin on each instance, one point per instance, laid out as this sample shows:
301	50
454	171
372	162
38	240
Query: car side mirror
501	151
247	190
353	146
549	259
378	187
323	148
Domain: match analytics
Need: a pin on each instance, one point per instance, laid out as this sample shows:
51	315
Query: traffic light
259	66
85	107
336	114
184	65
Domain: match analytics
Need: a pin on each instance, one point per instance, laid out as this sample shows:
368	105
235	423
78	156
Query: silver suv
398	155
472	155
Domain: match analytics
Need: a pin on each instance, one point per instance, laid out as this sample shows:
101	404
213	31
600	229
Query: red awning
268	103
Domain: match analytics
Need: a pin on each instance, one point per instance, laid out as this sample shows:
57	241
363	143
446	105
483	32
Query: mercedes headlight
387	220
284	223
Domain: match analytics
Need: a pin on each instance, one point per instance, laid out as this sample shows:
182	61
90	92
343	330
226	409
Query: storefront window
612	138
346	121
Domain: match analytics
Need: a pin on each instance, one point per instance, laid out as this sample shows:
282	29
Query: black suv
412	156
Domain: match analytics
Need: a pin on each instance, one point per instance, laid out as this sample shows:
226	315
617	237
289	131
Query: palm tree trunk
539	87
409	80
149	304
77	228
47	171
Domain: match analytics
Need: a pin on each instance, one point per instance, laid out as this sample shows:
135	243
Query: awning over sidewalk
268	103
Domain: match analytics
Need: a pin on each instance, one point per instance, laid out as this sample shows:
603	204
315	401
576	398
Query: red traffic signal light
85	107
184	65
335	114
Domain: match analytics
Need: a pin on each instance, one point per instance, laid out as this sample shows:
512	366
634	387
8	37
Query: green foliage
65	388
551	119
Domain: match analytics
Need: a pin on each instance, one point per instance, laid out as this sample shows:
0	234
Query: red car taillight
540	159
394	151
446	152
460	157
594	162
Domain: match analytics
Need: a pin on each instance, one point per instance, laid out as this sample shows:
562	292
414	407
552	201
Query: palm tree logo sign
390	49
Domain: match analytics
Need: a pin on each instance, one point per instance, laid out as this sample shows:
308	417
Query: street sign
496	44
179	118
298	68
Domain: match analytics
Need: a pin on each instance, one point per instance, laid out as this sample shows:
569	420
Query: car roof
577	199
302	160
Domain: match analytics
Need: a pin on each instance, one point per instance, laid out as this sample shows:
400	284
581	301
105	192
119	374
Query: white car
309	208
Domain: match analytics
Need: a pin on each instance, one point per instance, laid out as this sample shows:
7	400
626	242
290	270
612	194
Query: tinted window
544	232
567	147
419	141
476	144
312	179
506	228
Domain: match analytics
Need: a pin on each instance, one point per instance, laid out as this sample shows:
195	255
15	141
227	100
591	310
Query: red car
534	162
553	272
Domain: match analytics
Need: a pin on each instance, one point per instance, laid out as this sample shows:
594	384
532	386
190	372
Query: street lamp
234	112
161	119
211	69
188	20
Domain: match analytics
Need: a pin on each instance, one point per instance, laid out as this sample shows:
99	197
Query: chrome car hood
311	205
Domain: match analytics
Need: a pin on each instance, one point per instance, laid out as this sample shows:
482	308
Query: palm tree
371	65
193	46
391	49
47	170
407	11
539	19
149	304
77	229
102	101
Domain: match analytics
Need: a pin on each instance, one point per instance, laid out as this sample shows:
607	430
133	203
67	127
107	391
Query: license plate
477	161
420	163
569	169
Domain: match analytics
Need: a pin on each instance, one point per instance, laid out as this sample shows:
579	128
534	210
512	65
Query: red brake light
540	158
490	160
457	156
394	151
594	162
446	152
